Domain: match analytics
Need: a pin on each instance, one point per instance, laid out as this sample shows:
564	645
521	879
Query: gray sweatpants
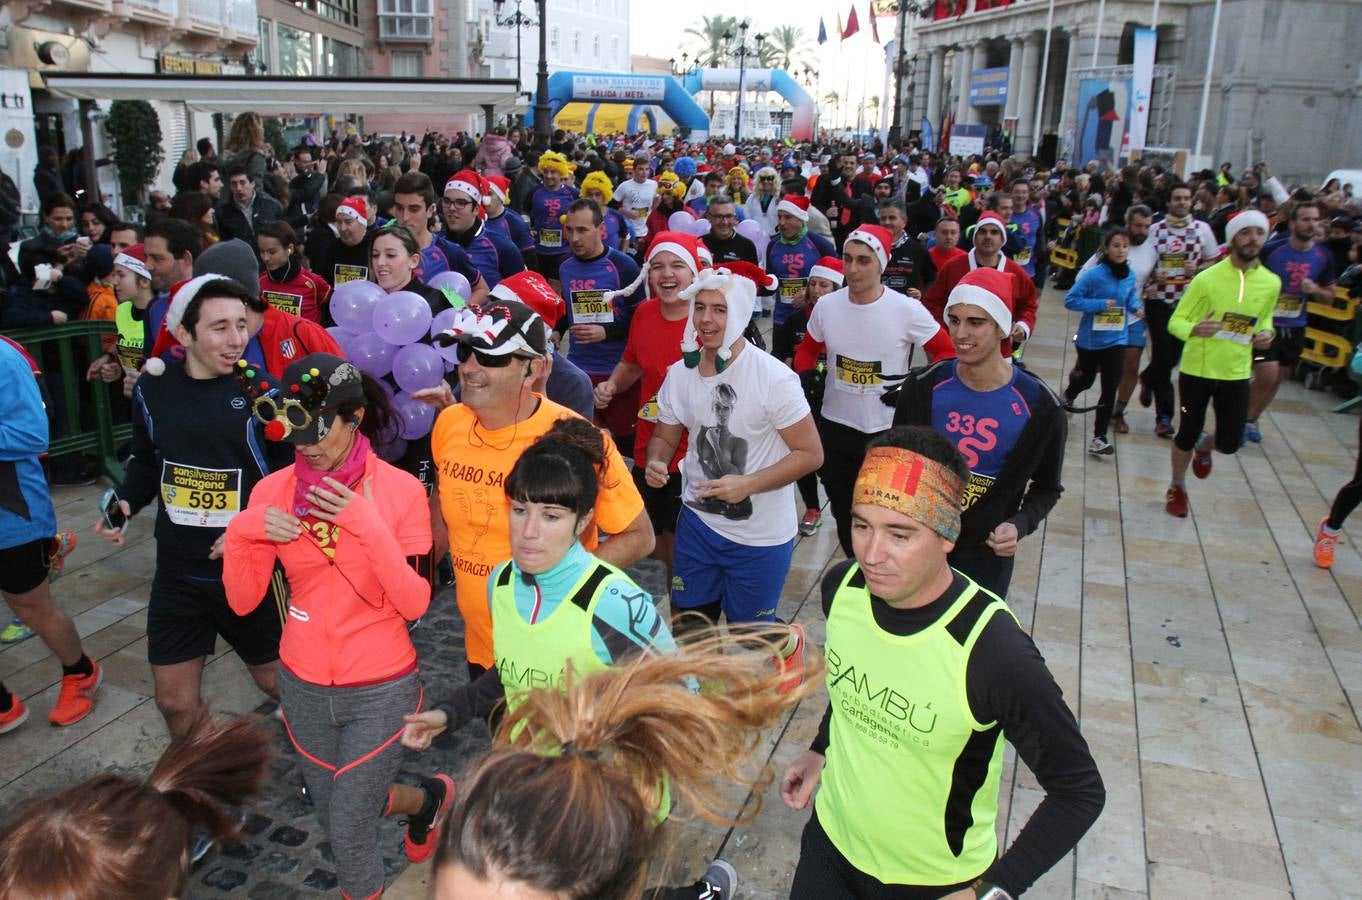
348	738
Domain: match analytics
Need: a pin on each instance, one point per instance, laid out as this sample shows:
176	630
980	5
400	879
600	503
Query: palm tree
713	50
833	99
786	48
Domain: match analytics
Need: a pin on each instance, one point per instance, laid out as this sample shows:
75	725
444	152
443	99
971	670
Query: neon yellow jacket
1242	302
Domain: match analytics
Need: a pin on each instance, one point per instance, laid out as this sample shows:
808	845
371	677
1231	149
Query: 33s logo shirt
984	426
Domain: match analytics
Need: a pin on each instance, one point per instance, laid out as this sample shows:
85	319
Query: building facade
111	36
1284	82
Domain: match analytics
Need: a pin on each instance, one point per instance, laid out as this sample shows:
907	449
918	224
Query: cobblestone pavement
1215	672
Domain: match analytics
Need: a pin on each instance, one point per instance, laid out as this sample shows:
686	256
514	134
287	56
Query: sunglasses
463	352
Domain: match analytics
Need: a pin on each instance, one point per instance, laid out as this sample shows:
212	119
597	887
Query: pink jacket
348	613
492	154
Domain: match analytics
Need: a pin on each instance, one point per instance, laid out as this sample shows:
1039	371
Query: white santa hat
1249	218
795	205
706	258
738	282
685	246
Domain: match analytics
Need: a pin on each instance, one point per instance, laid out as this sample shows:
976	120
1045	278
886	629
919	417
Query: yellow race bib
591	308
346	274
857	376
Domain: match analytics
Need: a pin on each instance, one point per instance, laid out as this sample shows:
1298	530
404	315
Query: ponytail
568	804
117	838
564	467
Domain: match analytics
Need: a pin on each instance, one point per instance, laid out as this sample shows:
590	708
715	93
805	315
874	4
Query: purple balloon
416	417
342	337
700	228
353	304
751	229
451	281
416	367
402	318
392	451
681	221
443	321
372	354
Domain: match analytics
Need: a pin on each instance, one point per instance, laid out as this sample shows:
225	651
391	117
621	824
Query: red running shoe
1201	462
77	698
1175	501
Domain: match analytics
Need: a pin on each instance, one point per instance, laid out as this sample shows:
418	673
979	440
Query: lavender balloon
681	221
342	337
416	367
416	417
442	321
372	354
452	281
402	318
392	451
353	304
751	229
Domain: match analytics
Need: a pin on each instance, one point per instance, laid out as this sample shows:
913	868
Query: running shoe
793	665
1251	432
62	545
1163	427
1325	544
12	718
1118	424
812	519
15	632
1100	446
77	697
719	881
1175	501
423	832
1201	460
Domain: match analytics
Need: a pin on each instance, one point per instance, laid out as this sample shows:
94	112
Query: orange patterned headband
914	485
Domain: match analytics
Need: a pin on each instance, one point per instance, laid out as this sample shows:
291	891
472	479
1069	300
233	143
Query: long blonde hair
248	133
568	802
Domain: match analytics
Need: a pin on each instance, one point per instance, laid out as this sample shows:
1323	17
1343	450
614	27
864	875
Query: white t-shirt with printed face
733	420
638	198
870	347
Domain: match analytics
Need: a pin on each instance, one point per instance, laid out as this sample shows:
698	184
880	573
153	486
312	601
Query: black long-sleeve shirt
1006	681
181	424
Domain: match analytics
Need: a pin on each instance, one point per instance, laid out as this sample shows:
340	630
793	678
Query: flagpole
1044	74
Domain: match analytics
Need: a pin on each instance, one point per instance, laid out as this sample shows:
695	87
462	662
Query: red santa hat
134	259
533	290
738	282
795	205
685	246
988	289
878	239
498	186
991	217
706	258
473	186
356	208
829	267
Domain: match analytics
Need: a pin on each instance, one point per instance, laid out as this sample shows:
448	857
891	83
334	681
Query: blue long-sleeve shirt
1102	327
26	512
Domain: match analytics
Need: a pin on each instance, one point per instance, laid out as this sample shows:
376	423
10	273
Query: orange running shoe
1325	544
423	832
61	547
12	718
77	697
792	666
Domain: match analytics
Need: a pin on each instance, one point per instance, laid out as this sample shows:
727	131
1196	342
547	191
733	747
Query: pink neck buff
908	483
348	473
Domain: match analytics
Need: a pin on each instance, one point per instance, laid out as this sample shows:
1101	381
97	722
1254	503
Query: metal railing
76	344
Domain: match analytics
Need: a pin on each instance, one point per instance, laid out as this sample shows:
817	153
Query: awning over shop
294	96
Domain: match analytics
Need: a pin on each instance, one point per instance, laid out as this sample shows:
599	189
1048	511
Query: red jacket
1025	302
302	295
283	338
352	590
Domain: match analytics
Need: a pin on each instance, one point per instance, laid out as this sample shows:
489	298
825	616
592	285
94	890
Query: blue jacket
26	512
1090	294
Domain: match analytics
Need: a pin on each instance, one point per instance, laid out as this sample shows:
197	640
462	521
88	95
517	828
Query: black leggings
1230	399
1351	493
808	490
1108	362
843	453
1164	352
823	873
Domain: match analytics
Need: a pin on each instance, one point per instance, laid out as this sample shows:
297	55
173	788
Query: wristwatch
983	890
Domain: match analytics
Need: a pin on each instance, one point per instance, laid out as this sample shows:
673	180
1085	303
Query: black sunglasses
486	360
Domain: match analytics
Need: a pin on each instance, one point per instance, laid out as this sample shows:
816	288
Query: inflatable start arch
638	90
778	80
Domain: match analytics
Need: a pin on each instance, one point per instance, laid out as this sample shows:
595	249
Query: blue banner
928	135
988	87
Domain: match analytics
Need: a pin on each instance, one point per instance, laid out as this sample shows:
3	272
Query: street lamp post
743	51
543	128
517	20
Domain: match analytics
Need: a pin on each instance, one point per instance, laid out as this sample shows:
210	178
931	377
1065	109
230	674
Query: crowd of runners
379	367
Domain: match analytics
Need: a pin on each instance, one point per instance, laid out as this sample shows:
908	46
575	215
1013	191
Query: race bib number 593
200	498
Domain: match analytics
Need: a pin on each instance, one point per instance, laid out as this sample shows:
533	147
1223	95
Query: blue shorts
708	568
1136	333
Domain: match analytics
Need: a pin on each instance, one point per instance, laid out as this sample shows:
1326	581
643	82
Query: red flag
853	24
874	29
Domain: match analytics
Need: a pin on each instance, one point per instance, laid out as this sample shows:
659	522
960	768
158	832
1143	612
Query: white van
1346	177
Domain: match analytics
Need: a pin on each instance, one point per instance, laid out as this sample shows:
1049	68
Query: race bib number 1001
200	498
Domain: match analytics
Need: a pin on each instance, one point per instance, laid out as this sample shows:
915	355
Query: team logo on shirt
288	349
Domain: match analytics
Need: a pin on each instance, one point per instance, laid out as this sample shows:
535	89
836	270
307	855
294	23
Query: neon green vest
909	794
536	656
131	338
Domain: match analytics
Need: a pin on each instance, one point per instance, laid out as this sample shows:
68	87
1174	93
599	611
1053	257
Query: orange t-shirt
103	305
472	465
